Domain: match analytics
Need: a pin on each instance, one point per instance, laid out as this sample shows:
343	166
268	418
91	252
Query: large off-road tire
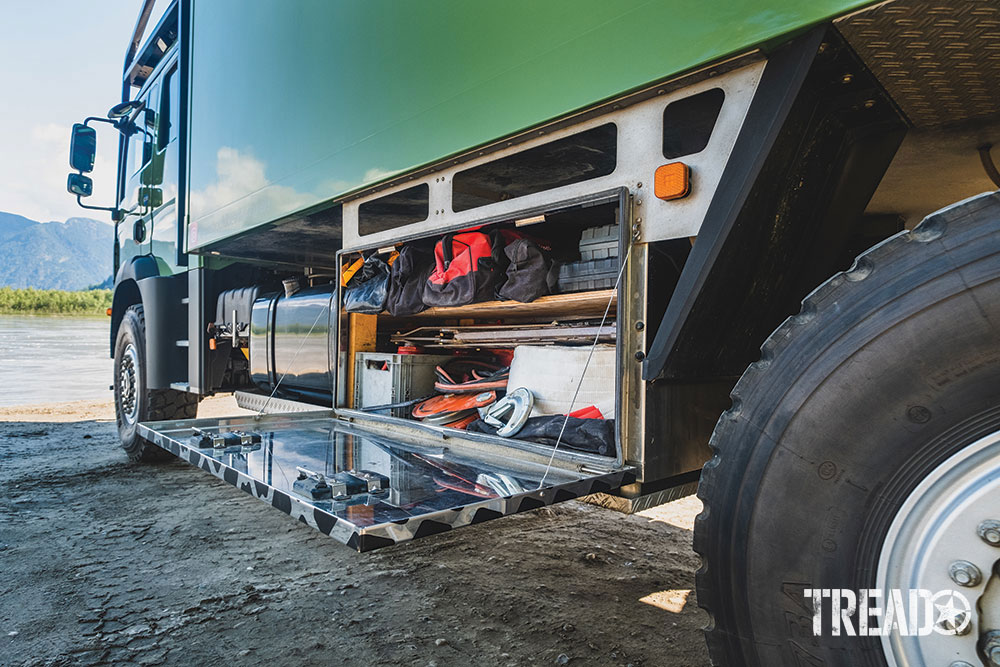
889	369
134	402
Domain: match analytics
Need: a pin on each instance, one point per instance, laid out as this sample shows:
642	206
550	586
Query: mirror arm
87	120
114	210
120	124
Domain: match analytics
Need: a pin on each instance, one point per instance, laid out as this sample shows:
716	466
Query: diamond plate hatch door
368	490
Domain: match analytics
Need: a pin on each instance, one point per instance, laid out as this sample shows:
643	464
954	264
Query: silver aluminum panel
271	404
425	489
640	128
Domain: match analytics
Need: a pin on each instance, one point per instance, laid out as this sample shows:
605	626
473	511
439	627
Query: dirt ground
107	562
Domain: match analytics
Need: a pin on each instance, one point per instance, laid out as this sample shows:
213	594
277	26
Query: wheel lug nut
991	648
989	531
964	573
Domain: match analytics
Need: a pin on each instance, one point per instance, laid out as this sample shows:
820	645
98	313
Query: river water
53	359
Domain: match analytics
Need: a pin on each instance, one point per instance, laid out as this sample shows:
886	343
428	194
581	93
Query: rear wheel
134	402
860	452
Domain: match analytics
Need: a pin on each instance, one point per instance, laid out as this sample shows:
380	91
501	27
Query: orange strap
350	270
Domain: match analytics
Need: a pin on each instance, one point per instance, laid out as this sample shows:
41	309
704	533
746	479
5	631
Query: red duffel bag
467	268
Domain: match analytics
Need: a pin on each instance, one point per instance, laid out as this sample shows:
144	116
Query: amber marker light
108	312
672	181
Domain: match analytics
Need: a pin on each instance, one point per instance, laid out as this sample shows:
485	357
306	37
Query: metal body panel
639	153
641	503
423	490
166	332
197	324
295	105
270	405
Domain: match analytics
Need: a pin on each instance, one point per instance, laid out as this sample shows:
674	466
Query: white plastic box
382	378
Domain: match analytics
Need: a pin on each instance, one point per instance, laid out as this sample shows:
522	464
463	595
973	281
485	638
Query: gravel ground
107	562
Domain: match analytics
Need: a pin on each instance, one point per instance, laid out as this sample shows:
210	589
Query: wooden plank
576	305
360	338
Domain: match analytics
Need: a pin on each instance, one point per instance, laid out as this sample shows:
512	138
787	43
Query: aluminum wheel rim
935	528
128	382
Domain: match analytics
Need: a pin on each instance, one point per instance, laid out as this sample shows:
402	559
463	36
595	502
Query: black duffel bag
406	280
527	273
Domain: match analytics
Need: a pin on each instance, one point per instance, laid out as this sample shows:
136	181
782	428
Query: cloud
377	174
35	184
241	177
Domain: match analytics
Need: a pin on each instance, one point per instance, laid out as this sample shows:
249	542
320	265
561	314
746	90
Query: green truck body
294	106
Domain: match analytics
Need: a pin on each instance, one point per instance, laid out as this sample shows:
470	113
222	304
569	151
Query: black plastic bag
596	436
527	273
368	289
406	280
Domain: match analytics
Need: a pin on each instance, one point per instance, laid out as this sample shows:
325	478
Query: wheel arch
126	295
126	291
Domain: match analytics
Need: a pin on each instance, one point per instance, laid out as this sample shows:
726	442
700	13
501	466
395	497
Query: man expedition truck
466	259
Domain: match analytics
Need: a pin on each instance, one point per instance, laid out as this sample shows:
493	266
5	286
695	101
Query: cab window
169	112
141	143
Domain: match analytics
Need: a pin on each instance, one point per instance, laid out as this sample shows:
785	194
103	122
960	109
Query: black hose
390	406
987	160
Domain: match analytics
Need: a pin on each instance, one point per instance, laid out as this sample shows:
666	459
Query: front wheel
134	402
861	454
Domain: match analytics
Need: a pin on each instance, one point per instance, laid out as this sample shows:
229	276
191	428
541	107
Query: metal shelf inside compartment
507	334
572	306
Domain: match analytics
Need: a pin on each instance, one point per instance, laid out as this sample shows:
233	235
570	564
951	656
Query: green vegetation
53	302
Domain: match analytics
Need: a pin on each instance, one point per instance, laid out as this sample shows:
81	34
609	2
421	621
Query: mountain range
70	255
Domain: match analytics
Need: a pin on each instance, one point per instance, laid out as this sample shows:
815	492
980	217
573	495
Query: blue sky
62	61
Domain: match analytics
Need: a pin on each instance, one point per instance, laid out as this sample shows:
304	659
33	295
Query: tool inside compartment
507	329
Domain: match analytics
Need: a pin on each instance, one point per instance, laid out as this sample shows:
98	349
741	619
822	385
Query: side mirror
124	109
82	147
80	185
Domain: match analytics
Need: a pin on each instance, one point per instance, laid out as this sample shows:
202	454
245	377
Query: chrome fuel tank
290	343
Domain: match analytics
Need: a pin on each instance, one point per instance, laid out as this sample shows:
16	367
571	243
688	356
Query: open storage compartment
447	369
372	478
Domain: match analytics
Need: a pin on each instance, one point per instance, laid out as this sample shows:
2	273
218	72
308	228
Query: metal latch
339	486
238	440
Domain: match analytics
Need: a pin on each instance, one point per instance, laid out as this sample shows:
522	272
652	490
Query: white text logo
871	612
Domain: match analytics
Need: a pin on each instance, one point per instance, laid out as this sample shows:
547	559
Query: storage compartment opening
529	357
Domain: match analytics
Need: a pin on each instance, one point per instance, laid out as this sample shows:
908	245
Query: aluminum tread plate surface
431	489
938	59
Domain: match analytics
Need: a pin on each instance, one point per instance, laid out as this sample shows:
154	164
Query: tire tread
723	472
163	404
